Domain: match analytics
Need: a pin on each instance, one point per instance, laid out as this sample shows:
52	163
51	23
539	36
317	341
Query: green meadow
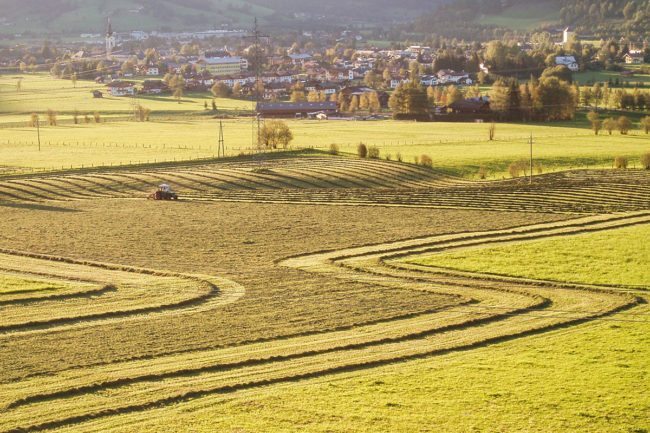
187	131
614	257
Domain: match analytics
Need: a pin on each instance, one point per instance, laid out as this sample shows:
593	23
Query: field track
482	309
344	181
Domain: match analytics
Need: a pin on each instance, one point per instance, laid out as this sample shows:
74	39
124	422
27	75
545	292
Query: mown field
303	291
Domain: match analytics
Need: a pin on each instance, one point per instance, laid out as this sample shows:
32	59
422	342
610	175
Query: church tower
110	40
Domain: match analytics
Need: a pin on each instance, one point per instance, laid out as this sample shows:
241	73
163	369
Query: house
471	106
295	109
633	59
453	77
298	59
154	87
121	88
152	71
568	61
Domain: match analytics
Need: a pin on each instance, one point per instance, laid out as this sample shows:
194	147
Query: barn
295	109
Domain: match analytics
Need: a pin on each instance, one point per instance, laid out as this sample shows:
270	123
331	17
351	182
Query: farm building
633	59
295	109
121	88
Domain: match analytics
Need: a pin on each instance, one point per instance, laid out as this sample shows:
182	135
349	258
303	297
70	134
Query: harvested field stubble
221	296
456	305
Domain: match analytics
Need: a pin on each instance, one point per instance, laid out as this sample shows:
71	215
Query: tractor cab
164	192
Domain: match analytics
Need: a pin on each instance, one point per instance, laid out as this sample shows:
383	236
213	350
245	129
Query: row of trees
623	124
546	99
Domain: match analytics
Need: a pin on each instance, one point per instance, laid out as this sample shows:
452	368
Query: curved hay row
103	292
280	174
481	310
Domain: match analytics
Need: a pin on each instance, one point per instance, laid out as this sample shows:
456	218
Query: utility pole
221	150
530	141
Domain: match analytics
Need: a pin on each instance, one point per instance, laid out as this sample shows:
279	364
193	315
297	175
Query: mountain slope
77	16
481	19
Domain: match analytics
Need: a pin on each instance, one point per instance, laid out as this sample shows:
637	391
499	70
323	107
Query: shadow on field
36	206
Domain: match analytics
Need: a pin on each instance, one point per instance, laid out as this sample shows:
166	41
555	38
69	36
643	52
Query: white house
121	88
633	59
568	61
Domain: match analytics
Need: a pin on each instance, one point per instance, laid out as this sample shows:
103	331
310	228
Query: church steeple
111	41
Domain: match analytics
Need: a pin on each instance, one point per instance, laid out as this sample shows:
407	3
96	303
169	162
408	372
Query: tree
609	124
623	124
354	103
452	94
274	134
237	90
431	96
33	120
221	90
51	118
373	102
177	85
313	96
596	123
298	96
555	99
372	80
364	103
645	124
500	98
362	150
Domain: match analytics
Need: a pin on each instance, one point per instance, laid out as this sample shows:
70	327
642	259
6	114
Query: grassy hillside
66	17
524	16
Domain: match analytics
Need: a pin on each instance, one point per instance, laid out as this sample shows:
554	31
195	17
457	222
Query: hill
485	19
74	16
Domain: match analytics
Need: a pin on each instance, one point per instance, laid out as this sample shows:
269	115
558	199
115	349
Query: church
110	40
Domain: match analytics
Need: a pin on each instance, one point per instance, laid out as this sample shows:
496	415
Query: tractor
164	192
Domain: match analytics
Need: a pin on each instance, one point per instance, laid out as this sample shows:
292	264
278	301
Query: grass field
525	16
186	131
622	256
586	378
41	92
77	371
301	291
459	151
604	76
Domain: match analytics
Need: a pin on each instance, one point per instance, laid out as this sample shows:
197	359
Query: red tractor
164	192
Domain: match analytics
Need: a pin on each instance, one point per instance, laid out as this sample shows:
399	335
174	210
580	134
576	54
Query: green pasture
621	256
39	93
527	16
456	148
604	76
188	131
